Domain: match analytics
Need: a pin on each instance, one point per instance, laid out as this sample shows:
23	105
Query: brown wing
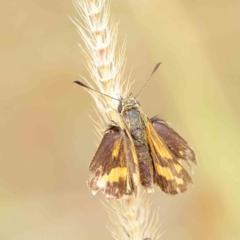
112	167
176	144
169	174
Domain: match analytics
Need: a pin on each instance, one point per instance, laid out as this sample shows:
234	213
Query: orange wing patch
158	143
114	176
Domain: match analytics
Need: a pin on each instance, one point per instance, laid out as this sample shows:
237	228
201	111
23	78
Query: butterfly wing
176	144
169	174
112	167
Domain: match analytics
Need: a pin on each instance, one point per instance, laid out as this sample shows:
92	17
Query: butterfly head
126	104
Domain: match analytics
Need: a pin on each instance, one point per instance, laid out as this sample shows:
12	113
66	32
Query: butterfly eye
120	107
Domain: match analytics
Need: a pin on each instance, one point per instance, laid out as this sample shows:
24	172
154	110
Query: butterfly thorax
133	120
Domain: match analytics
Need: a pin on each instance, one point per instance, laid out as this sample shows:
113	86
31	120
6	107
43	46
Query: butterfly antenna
154	70
85	86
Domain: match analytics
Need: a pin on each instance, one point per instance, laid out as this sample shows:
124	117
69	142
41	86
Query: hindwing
176	144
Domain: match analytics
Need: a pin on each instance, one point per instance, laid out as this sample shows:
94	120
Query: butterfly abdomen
134	122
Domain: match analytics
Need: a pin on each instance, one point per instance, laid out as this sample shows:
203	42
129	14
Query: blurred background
47	138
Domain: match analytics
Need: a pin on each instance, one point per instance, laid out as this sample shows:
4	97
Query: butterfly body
139	150
134	120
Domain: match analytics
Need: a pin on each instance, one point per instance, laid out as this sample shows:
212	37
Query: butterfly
139	151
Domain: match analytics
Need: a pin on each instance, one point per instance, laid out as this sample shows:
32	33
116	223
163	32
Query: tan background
47	138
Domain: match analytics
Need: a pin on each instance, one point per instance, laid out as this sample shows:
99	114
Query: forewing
111	167
169	174
176	144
